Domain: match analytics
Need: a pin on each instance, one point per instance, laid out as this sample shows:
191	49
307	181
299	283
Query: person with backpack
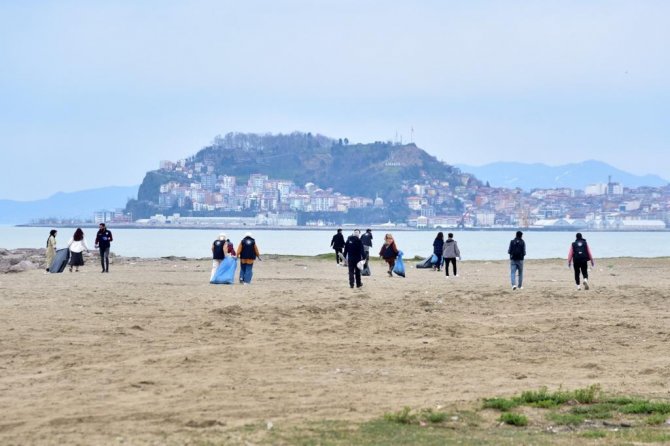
579	255
517	252
337	243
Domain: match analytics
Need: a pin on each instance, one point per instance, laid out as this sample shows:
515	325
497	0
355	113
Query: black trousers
583	267
447	261
354	273
338	251
104	258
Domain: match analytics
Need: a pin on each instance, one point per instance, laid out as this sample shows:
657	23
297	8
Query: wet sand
153	354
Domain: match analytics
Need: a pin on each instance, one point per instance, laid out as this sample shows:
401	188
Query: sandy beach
153	354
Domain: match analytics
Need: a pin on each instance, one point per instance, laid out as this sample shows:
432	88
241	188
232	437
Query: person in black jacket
438	247
517	252
103	240
354	253
337	243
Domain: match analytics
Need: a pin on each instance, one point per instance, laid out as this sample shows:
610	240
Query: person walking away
219	251
389	252
449	253
247	251
103	240
354	253
517	252
579	256
366	239
51	248
337	243
77	245
438	246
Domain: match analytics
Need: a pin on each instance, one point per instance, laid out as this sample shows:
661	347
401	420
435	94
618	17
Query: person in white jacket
77	245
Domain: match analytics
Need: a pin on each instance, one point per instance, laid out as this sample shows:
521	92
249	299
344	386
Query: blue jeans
246	272
516	265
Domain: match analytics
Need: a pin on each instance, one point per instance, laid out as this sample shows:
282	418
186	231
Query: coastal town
210	200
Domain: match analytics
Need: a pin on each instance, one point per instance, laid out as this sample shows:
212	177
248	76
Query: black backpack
580	251
516	249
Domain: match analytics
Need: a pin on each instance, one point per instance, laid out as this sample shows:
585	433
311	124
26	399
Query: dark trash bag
399	267
225	273
426	263
60	261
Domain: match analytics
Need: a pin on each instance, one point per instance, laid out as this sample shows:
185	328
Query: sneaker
359	286
389	273
521	288
513	287
586	284
579	287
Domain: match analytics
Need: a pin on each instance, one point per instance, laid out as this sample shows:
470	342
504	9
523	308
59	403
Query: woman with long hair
51	248
389	252
77	245
438	245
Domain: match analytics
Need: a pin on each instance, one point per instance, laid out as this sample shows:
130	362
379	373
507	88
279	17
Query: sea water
474	245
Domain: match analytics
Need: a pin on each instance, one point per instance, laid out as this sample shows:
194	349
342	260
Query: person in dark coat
337	243
389	252
517	252
438	246
580	255
354	253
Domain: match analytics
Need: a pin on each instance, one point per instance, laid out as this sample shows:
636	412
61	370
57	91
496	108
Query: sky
95	94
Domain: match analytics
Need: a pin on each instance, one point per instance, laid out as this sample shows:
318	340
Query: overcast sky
96	93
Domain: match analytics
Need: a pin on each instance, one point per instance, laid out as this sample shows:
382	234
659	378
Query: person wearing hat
247	251
517	252
220	248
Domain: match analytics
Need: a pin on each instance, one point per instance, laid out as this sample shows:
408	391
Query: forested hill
369	170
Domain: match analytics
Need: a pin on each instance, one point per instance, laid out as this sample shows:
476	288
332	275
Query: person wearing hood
449	253
354	253
517	252
220	248
579	255
247	251
51	248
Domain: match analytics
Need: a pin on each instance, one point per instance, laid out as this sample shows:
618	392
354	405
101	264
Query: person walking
103	240
579	256
438	246
354	253
337	243
366	239
220	248
449	253
247	251
51	248
77	245
389	252
517	252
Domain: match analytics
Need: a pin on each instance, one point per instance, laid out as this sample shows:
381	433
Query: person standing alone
103	240
337	243
517	252
354	253
579	255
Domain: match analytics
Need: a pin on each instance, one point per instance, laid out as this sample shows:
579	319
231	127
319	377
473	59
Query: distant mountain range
541	176
80	205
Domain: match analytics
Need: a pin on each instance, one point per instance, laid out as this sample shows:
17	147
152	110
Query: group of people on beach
77	245
355	254
247	252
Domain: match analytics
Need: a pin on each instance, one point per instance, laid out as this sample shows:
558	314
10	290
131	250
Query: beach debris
269	425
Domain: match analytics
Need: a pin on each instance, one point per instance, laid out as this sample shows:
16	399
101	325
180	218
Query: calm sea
474	245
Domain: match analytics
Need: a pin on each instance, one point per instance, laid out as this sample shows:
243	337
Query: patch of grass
656	419
621	400
544	397
646	407
566	419
434	417
593	434
501	404
515	419
600	411
589	395
404	416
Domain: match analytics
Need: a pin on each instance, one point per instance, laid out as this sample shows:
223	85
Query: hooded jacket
451	250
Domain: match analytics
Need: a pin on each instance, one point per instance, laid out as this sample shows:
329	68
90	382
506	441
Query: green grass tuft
514	419
502	404
404	416
656	419
642	407
600	411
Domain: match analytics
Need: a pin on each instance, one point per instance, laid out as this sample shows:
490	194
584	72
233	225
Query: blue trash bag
399	267
433	259
225	273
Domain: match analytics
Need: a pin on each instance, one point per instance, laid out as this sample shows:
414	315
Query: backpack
580	251
516	249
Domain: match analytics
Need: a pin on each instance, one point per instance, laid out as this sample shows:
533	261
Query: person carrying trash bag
389	252
399	267
355	255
